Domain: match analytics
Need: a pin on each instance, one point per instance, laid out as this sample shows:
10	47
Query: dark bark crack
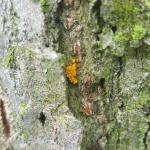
5	122
97	12
146	136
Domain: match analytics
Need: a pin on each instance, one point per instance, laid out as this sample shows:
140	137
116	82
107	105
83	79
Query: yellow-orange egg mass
71	72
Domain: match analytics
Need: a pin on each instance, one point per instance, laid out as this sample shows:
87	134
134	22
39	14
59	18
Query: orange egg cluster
71	72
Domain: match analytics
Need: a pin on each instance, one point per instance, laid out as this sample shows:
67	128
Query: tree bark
75	74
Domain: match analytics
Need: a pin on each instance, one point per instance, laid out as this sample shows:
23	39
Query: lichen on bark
109	40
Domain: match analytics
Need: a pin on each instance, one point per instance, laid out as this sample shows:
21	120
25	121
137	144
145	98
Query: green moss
112	143
10	58
50	76
44	5
148	14
138	32
146	67
52	82
124	12
25	136
90	134
62	61
127	16
13	53
142	102
147	3
74	100
47	100
106	70
120	37
14	25
22	108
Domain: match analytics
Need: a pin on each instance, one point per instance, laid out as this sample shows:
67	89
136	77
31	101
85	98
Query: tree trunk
75	74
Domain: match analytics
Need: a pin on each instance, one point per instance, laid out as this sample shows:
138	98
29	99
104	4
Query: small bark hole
42	118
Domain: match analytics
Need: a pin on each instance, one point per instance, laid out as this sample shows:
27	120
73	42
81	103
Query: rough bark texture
75	74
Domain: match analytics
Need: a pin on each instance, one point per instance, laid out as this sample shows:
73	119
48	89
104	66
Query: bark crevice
146	136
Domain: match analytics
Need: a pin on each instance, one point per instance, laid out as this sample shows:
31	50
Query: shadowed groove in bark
145	136
96	11
52	21
5	122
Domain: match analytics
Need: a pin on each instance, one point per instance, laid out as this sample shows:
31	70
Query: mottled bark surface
75	74
33	86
